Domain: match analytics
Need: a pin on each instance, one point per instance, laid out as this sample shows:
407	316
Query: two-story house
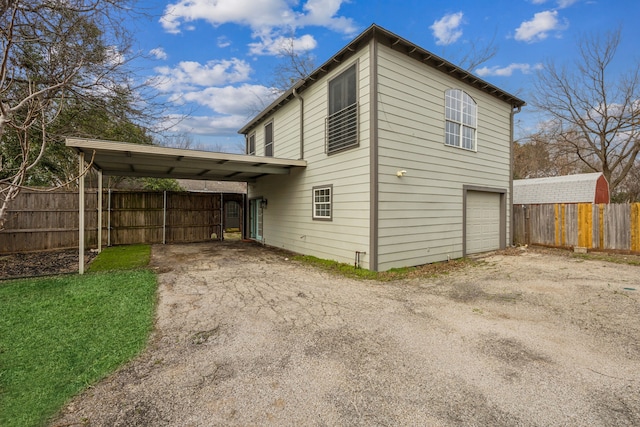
408	159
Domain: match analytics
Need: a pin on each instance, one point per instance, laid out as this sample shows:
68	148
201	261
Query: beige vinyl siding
421	214
288	219
286	135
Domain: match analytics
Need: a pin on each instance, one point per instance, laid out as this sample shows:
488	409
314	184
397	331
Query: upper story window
268	139
251	144
461	114
342	122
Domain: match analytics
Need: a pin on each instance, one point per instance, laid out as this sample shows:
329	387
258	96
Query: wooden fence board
49	220
605	226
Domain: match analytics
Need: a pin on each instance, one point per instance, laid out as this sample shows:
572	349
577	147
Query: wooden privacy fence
586	225
49	220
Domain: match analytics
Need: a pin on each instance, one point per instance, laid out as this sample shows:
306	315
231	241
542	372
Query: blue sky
214	58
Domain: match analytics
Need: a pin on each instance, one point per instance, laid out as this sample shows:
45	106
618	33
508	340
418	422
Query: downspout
301	99
374	195
514	110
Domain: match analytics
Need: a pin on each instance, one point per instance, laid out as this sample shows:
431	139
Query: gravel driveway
245	336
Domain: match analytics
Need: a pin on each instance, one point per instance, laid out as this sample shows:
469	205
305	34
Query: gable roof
580	188
394	42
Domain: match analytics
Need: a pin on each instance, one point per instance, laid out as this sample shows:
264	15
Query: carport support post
81	214
99	210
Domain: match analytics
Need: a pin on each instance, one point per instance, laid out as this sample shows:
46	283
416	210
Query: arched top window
461	116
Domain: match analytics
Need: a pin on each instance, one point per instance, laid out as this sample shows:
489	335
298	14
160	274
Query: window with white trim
322	202
251	144
461	117
268	139
342	121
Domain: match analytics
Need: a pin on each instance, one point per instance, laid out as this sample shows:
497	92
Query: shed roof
392	41
579	188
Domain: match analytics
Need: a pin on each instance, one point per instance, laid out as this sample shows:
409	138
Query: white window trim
461	122
314	203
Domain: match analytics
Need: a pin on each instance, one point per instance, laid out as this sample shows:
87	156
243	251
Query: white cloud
114	56
260	16
223	42
231	108
159	53
562	4
206	125
276	46
447	30
231	100
323	13
188	75
538	28
508	70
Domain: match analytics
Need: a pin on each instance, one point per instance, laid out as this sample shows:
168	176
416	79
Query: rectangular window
322	202
268	139
251	144
342	122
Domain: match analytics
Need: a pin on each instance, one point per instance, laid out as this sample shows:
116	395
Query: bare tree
595	116
53	51
629	189
294	64
478	53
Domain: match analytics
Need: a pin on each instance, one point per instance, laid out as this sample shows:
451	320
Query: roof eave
392	41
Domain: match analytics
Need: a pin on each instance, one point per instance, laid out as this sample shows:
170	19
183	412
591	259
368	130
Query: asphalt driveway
244	336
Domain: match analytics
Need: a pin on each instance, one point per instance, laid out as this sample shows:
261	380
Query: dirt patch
245	336
47	263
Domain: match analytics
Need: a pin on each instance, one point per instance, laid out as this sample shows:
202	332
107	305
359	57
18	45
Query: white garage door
483	221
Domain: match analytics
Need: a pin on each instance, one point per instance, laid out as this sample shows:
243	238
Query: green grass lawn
121	258
60	334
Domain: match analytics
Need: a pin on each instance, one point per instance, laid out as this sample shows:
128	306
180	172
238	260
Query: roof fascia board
397	43
87	145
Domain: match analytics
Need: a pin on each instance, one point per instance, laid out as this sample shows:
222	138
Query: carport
111	158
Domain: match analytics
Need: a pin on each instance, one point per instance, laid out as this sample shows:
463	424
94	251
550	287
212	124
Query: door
232	215
483	221
255	219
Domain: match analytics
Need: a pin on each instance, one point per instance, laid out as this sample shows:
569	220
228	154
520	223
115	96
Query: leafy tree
58	57
595	115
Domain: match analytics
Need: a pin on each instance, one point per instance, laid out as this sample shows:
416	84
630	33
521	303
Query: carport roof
137	160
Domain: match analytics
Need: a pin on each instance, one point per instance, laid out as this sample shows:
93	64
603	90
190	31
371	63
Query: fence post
164	218
635	227
221	216
601	225
109	219
527	224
